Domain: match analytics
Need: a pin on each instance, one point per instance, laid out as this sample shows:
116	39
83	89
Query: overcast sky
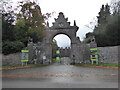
83	11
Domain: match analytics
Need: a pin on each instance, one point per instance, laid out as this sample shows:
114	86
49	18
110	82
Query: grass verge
5	67
101	65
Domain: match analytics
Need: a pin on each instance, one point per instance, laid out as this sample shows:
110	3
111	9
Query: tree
107	29
104	14
8	17
12	47
21	32
9	43
107	32
7	27
29	23
113	30
33	19
54	48
101	17
115	6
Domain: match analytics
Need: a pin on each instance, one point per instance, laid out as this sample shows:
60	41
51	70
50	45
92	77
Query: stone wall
64	52
11	59
108	54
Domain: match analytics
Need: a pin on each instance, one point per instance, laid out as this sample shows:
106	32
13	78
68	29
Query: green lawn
39	65
32	65
100	64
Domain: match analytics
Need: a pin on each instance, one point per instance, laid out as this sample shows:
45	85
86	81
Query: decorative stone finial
61	13
66	19
93	39
74	23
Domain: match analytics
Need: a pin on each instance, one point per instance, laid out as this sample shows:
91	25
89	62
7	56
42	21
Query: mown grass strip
5	67
100	64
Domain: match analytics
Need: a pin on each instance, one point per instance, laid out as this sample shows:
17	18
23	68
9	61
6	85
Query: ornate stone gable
61	22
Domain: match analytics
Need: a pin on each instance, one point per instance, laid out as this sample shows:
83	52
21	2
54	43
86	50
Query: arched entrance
61	26
62	40
61	43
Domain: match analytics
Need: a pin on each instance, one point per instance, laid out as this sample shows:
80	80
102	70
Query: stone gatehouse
79	51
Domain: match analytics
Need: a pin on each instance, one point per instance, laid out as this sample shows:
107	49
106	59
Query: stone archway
41	52
63	44
61	26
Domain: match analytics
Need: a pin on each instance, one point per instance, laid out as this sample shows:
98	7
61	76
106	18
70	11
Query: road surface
60	76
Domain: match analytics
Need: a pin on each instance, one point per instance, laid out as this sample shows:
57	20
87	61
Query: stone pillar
85	52
48	53
40	52
75	53
93	44
30	48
